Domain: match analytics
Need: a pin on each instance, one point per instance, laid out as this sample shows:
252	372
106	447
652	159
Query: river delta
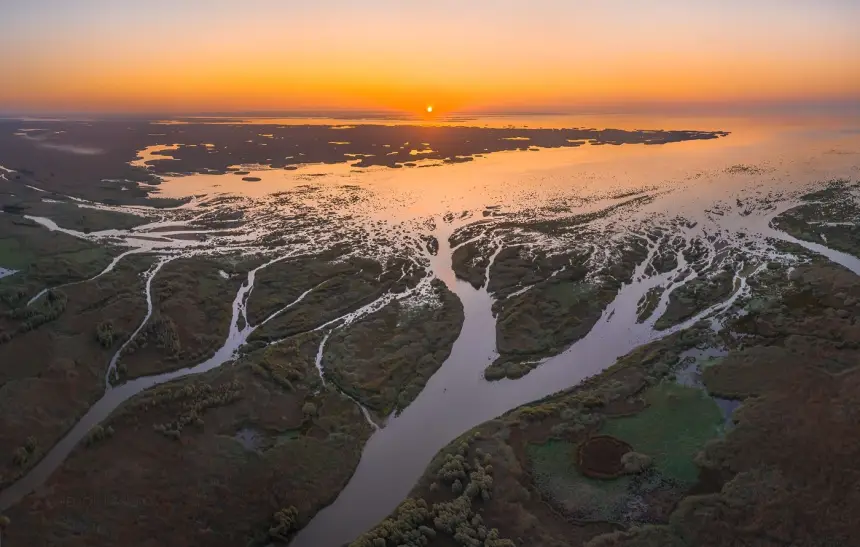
216	332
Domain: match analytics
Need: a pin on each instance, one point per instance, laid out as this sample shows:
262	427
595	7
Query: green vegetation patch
648	303
85	219
192	310
470	262
553	467
44	259
13	254
417	522
678	422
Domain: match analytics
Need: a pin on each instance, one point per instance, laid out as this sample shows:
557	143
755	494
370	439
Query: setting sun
259	247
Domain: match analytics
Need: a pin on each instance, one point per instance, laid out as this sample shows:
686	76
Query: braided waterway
694	182
458	397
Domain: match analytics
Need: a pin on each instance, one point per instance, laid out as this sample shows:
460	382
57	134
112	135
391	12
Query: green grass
12	255
677	423
46	258
553	468
287	436
569	293
83	219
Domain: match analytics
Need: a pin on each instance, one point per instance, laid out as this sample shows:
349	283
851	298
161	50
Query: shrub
97	434
284	523
196	399
634	462
105	334
21	456
406	527
309	409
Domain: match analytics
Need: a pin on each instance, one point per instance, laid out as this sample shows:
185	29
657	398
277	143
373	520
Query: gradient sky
220	55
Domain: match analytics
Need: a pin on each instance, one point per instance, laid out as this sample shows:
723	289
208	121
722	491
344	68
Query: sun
429	109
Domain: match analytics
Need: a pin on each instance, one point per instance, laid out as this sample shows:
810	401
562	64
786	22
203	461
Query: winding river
457	397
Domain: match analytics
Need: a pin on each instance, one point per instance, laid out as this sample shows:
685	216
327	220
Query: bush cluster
196	399
162	331
576	420
573	406
105	334
23	453
284	523
44	311
415	523
12	298
97	434
278	371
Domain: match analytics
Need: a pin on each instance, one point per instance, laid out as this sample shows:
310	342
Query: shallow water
693	180
457	397
249	438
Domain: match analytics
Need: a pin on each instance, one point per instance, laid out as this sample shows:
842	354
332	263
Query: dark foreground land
184	460
650	453
634	458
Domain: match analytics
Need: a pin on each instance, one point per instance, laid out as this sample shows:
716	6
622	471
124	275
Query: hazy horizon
460	273
806	108
96	56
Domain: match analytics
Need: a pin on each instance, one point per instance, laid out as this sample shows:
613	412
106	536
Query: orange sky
193	56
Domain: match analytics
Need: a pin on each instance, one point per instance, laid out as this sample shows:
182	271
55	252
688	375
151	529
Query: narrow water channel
116	395
455	399
458	397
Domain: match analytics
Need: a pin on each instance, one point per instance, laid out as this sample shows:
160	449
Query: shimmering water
722	188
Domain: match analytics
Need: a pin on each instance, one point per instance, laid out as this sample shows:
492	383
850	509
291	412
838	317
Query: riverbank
312	294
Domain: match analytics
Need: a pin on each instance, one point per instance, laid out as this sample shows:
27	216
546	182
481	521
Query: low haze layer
97	56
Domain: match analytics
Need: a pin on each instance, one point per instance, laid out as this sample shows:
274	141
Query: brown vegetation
56	368
148	480
600	457
385	359
192	309
557	310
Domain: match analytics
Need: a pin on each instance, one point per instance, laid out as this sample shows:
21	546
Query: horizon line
745	107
